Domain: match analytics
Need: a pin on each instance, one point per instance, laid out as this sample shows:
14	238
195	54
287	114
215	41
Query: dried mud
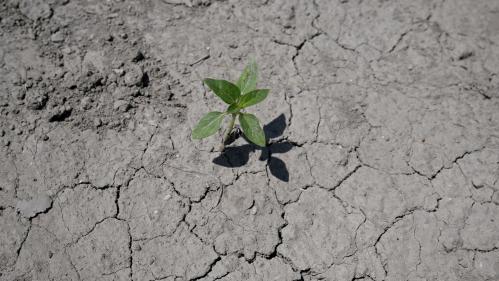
383	127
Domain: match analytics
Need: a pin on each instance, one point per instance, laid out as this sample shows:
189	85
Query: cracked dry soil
383	122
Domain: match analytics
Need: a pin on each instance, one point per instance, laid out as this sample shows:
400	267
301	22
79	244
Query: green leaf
253	97
233	108
251	128
208	125
227	91
247	80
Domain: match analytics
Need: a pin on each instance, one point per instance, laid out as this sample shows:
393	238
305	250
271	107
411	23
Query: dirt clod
134	76
36	99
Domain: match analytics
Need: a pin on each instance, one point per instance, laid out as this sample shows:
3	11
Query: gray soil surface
383	127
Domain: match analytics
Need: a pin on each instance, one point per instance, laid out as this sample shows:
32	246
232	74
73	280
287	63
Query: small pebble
85	103
59	113
19	94
112	78
36	99
138	57
119	71
67	50
121	105
57	37
117	63
114	124
134	76
97	122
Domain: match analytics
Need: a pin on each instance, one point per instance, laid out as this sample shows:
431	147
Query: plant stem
229	130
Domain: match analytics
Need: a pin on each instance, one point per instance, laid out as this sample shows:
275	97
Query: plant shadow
238	156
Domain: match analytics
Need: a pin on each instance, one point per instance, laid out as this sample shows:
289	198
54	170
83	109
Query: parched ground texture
383	124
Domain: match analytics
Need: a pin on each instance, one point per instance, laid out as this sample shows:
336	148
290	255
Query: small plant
238	96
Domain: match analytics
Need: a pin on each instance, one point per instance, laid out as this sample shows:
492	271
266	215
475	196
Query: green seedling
238	96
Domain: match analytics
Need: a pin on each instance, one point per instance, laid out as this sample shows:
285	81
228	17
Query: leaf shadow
238	156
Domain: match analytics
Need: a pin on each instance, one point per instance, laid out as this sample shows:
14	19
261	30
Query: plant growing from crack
238	96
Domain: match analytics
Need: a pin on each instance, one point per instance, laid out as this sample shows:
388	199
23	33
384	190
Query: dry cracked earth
382	123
